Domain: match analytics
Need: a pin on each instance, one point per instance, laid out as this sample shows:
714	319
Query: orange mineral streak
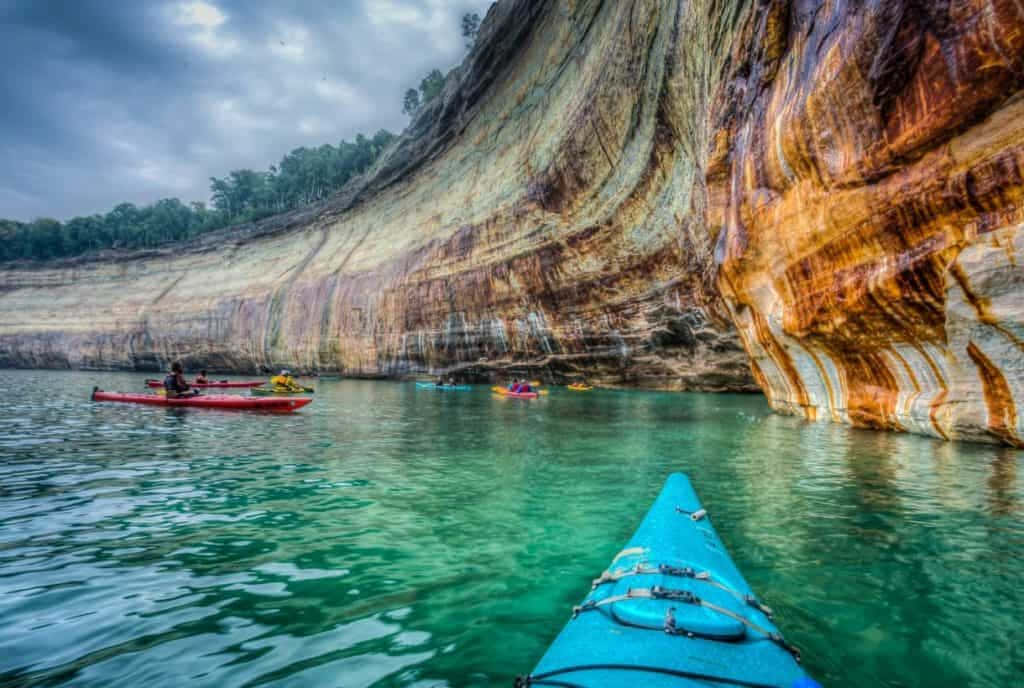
871	391
1002	412
933	413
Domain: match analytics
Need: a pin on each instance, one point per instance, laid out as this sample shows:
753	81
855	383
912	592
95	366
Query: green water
391	536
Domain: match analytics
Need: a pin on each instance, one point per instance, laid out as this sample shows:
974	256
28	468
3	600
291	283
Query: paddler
175	385
201	378
286	381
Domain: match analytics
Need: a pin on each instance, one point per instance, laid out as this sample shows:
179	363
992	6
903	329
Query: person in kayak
201	378
175	385
285	381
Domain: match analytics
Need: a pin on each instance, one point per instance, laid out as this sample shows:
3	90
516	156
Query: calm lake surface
390	536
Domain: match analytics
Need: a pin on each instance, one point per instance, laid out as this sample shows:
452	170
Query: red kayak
219	401
156	384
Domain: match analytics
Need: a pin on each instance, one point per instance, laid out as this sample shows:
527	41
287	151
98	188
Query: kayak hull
158	384
658	641
443	388
264	392
580	388
215	401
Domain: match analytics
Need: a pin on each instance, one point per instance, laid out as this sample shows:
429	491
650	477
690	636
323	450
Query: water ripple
390	537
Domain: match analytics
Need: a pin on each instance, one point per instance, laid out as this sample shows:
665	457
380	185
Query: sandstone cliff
638	190
866	187
529	218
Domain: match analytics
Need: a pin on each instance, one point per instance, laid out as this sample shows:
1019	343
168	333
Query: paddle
163	392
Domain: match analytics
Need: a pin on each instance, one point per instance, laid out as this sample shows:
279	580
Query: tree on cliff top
470	28
411	104
431	85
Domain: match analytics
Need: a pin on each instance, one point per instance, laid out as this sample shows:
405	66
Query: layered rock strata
866	188
528	221
638	191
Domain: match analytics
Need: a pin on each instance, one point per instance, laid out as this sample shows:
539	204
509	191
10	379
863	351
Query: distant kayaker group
175	386
520	387
175	390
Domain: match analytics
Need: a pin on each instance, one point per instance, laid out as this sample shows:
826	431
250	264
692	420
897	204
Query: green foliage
431	85
411	104
470	28
304	176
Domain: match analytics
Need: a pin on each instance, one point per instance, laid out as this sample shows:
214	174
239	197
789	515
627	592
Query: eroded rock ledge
821	196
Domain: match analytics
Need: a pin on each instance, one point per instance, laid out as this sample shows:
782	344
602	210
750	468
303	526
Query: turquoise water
390	536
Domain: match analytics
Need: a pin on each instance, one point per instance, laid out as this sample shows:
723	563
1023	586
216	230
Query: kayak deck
671	611
218	401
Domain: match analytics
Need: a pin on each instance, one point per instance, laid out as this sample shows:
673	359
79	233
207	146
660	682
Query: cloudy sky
107	101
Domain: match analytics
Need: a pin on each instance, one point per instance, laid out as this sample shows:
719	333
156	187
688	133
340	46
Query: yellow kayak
578	387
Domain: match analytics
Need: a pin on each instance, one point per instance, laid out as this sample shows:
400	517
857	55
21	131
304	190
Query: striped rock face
867	188
819	195
537	217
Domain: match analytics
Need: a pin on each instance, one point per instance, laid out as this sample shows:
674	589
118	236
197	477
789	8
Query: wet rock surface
824	197
866	195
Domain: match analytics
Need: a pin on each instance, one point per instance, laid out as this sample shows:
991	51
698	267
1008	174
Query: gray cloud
119	100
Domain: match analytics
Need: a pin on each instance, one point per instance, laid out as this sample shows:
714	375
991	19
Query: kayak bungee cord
685	597
542	678
680	572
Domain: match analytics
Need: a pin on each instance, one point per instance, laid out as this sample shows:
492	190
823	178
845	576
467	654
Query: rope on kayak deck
629	552
686	597
680	572
543	679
